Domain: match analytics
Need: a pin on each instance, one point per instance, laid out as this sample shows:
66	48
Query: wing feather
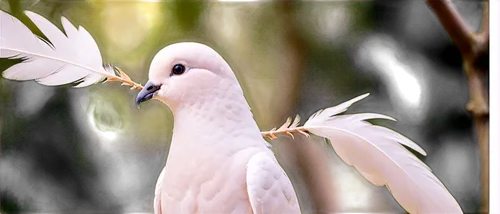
269	189
158	189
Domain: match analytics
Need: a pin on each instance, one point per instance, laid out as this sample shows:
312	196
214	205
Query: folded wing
269	189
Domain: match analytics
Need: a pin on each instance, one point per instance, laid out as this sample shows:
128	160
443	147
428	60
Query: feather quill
377	153
71	56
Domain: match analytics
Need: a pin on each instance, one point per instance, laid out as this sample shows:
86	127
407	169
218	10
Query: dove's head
185	73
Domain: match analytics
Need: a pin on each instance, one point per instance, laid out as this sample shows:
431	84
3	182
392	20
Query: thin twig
474	48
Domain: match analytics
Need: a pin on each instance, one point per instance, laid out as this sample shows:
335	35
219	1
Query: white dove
218	161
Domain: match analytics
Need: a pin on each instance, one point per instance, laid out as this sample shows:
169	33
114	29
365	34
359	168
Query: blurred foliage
91	150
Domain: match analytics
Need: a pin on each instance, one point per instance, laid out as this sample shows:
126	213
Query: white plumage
218	161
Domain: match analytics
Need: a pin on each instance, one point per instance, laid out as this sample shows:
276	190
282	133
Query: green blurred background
90	150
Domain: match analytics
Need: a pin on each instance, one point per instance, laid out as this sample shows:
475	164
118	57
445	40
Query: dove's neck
215	119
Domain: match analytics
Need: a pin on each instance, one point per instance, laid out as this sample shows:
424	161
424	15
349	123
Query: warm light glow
149	9
104	135
127	25
97	3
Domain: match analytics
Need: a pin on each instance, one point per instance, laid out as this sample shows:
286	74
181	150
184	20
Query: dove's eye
178	69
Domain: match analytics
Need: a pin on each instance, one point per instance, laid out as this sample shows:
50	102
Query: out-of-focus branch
474	48
453	23
485	26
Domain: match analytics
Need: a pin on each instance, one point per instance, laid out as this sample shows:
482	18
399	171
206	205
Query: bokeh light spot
355	187
109	112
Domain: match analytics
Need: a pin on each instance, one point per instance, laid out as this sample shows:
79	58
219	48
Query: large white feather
376	152
68	58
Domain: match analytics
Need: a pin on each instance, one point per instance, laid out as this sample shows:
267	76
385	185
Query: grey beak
146	93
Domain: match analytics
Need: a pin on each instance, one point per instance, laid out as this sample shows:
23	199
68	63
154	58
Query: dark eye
178	69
